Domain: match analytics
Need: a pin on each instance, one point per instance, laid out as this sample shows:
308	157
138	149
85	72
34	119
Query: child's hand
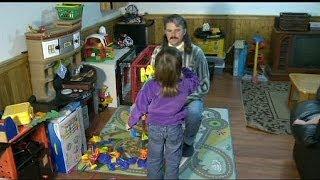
128	127
144	117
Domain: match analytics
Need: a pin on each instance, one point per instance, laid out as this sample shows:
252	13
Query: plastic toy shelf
8	166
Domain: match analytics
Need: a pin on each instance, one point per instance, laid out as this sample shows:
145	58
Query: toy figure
105	97
206	27
107	38
143	154
97	47
95	139
142	160
146	74
91	158
124	41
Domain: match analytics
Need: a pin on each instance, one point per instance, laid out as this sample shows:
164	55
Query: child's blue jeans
165	151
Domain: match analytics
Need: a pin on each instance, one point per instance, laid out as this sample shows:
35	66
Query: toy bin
21	113
69	11
213	46
141	61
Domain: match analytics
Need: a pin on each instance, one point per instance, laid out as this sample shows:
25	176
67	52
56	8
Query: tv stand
286	57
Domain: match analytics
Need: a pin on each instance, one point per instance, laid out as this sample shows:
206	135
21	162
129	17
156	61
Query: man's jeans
165	151
193	121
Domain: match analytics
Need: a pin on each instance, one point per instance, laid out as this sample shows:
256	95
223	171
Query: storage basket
6	165
141	61
294	21
69	11
213	47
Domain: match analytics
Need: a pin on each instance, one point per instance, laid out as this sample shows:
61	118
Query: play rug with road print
213	157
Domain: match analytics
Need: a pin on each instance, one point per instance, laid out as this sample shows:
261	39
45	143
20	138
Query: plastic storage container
218	63
67	11
141	61
241	50
21	113
212	47
243	60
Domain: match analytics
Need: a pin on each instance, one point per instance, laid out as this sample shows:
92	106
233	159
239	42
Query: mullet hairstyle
168	64
178	21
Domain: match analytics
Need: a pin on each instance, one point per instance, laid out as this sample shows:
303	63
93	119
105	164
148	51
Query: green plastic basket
69	11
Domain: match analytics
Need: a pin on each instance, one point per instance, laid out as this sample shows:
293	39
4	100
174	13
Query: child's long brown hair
168	64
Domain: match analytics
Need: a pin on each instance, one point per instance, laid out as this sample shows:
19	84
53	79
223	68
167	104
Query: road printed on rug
213	157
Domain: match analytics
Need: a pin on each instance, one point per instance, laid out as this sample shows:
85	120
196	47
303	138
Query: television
138	32
306	52
293	52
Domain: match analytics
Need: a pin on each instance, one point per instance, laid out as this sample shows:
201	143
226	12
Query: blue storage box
67	138
240	58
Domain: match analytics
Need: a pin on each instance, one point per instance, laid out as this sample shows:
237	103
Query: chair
306	151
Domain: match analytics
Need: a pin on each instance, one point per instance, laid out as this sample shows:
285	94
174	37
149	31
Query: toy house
98	48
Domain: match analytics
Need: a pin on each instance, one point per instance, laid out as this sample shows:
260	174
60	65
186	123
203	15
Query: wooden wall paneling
15	81
233	26
5	91
151	34
20	83
159	30
118	5
105	6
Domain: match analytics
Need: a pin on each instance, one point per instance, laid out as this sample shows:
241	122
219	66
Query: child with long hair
163	99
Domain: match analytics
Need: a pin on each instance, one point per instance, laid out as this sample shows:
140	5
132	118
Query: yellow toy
146	74
105	97
95	139
21	113
91	157
104	149
115	155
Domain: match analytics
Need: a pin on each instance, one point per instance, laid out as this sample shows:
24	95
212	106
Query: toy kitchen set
58	75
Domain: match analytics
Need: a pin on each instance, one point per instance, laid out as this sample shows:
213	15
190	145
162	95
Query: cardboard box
68	140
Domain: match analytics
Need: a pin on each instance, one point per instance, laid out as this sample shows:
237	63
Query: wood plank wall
233	26
15	74
15	81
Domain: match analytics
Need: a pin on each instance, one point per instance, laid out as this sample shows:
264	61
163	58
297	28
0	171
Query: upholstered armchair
306	151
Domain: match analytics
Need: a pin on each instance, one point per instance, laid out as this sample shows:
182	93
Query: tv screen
306	52
137	32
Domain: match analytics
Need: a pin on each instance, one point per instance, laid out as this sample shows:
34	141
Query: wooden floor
258	155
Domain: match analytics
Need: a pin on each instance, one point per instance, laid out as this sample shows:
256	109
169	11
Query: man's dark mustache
173	38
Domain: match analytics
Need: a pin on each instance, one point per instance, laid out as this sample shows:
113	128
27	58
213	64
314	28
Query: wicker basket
69	11
294	21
